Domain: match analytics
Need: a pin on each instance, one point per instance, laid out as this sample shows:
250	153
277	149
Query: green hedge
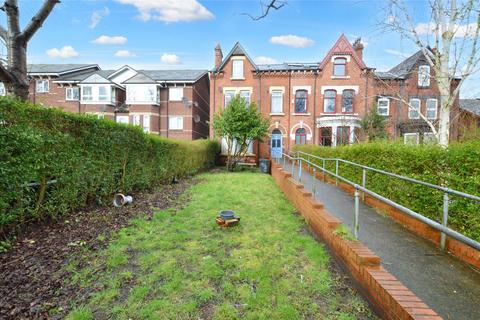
91	159
457	167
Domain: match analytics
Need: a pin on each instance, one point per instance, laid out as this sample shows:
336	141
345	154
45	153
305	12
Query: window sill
246	155
277	114
340	77
71	100
148	103
175	129
301	114
237	78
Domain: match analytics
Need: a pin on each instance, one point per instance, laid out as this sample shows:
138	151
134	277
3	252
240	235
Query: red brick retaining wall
383	290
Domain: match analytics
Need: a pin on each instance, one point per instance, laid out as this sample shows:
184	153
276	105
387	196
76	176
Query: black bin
264	165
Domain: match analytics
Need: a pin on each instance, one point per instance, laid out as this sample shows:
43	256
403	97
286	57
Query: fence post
313	182
443	236
323	171
308	159
300	170
293	168
336	172
355	217
364	182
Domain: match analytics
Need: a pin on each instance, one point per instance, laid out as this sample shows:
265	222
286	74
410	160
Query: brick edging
382	289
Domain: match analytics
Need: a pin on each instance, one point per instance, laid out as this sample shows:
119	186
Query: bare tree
272	4
14	73
453	32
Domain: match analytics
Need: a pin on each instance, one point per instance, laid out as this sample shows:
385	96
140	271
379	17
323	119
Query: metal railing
303	157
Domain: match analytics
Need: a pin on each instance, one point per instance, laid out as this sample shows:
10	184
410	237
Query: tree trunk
18	68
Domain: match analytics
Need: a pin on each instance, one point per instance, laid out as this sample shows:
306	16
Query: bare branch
38	19
274	4
3	33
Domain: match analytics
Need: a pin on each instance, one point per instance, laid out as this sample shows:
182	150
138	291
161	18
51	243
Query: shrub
457	167
90	159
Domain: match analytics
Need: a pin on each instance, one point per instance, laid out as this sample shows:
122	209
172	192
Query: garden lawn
181	265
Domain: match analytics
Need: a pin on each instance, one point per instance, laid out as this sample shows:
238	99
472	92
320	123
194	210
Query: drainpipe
79	100
260	109
366	91
168	100
288	110
314	106
214	101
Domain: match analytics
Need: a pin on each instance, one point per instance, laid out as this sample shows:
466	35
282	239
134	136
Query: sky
182	34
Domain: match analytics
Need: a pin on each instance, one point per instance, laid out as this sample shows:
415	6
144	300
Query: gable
95	78
237	50
122	74
342	47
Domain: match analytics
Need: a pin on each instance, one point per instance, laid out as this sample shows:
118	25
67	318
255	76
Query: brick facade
340	91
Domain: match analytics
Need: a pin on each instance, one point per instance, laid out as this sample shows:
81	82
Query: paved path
445	284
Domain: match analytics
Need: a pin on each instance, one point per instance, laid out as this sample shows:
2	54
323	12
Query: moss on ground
181	265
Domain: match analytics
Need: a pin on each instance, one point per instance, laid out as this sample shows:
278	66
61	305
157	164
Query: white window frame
146	123
279	95
122	119
424	76
410	109
237	69
230	93
427	109
42	86
387	107
103	97
175	93
136	120
411	134
85	97
432	135
175	123
69	97
247	100
3	91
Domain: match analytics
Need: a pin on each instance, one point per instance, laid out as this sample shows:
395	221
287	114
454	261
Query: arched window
329	101
301	101
300	136
340	67
347	101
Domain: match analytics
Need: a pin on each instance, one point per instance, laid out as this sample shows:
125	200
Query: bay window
102	93
146	123
87	93
142	94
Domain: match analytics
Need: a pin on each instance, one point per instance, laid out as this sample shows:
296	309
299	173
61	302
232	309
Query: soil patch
33	281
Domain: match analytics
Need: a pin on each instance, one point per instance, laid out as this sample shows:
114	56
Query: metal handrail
440	227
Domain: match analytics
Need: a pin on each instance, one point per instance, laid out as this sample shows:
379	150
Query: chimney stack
358	46
218	56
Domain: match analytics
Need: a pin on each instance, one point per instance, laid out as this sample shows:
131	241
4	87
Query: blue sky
182	33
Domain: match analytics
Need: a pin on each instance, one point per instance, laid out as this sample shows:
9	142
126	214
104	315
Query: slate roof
288	66
471	105
75	76
57	68
139	78
174	75
403	69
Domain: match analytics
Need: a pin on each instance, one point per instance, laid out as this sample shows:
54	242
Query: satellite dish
196	118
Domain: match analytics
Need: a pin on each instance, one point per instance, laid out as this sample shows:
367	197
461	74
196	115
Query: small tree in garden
239	123
373	125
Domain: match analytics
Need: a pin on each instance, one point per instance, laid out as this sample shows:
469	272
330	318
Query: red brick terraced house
323	102
171	103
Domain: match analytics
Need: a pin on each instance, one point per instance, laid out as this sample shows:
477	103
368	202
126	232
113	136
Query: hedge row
457	167
90	160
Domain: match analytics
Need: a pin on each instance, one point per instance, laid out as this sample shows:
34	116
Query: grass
181	265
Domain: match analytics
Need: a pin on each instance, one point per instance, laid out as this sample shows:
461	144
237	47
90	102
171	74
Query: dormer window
424	76
237	69
340	67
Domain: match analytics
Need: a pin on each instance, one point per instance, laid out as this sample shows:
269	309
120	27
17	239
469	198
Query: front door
276	144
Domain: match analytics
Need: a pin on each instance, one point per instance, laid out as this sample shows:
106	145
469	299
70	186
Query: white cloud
124	54
265	60
63	53
97	16
461	31
170	10
170	58
110	40
292	41
397	53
